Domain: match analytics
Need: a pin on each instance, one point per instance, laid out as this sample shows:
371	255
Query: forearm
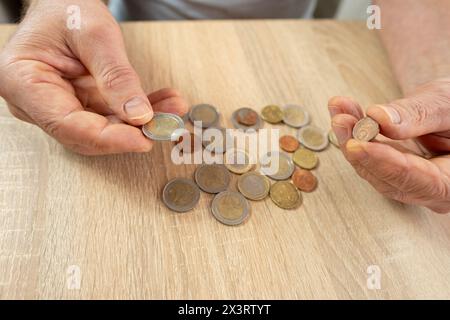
416	35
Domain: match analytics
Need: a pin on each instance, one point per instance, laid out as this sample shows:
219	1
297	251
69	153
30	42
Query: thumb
102	51
424	113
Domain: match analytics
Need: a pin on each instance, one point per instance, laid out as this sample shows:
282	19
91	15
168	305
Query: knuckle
115	75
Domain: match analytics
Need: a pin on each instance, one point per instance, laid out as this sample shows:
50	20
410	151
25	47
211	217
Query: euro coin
204	113
304	180
305	158
237	161
295	116
180	195
217	140
272	114
277	165
237	116
247	116
366	129
253	185
230	208
164	126
333	139
285	195
313	138
212	178
289	143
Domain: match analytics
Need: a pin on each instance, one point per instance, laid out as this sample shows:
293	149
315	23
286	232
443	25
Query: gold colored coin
272	114
230	208
305	158
253	185
366	129
313	138
212	178
285	195
237	161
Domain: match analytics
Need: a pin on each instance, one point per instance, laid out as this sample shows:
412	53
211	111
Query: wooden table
104	215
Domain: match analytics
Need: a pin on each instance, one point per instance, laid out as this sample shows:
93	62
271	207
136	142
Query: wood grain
105	215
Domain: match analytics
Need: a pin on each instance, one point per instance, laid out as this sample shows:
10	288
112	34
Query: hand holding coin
400	166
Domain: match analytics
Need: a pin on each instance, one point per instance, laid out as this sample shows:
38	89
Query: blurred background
10	10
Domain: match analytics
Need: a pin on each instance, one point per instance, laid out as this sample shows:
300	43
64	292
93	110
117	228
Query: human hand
397	167
78	85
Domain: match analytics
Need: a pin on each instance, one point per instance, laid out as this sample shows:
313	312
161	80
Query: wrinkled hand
398	167
78	85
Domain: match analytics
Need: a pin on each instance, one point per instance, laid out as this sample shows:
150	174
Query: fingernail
334	110
136	108
355	150
392	114
341	132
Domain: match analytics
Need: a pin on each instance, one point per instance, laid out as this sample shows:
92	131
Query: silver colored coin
230	208
206	113
282	169
164	127
217	140
313	138
212	178
253	185
295	116
234	121
180	194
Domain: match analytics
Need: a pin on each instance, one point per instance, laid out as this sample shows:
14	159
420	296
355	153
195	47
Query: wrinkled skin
411	163
78	85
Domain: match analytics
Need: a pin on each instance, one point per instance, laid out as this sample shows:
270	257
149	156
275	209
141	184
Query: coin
230	208
238	161
289	143
366	129
180	194
285	195
163	126
253	185
313	138
217	140
235	121
332	138
247	116
205	113
305	158
212	178
281	170
272	114
295	116
304	180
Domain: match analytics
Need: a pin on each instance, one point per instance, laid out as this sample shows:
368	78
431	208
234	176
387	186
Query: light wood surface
105	215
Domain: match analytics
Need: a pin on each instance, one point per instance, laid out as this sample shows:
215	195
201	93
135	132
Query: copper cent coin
206	113
247	116
237	122
295	116
253	185
285	195
313	138
163	126
304	180
289	143
230	208
212	178
180	194
366	129
272	114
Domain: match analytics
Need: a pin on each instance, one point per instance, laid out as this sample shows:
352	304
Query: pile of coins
295	162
